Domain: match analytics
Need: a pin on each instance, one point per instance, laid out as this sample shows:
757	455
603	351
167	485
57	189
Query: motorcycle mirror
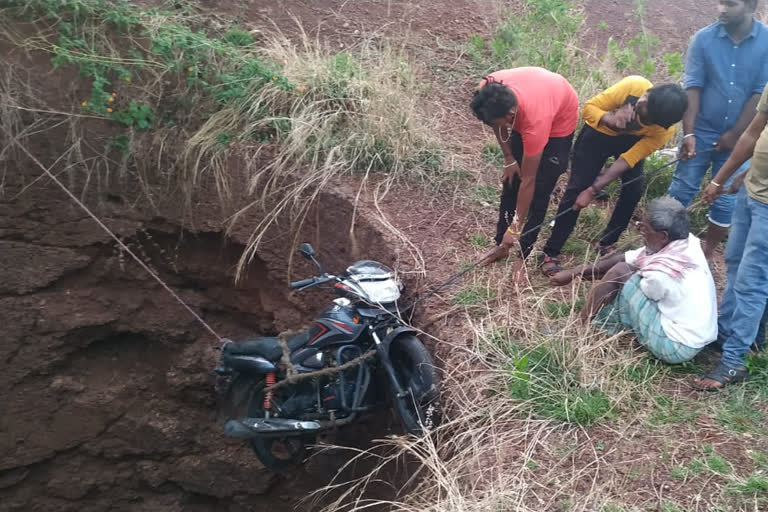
307	251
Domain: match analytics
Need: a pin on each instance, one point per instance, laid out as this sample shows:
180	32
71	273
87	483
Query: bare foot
520	273
561	278
707	384
495	254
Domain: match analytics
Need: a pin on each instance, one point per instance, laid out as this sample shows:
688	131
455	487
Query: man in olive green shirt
745	295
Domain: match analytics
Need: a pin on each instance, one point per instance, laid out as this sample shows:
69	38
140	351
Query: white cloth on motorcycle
268	348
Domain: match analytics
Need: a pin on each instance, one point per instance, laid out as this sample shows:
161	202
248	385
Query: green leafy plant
139	116
238	37
674	63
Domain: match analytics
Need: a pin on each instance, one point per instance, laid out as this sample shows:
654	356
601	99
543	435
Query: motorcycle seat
266	347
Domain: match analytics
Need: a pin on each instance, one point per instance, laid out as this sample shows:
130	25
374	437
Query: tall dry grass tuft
355	113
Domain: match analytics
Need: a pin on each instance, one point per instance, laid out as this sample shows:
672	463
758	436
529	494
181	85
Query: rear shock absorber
270	381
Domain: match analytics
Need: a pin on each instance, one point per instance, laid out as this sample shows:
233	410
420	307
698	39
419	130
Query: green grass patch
671	506
696	466
548	388
541	35
493	155
486	194
474	296
758	374
739	413
479	241
679	473
656	177
759	458
575	247
718	464
562	309
612	507
755	485
670	411
644	370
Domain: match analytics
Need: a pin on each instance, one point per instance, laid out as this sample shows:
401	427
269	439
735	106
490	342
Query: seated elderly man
663	292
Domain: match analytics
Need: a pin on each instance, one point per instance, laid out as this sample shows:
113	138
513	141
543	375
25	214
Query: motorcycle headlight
383	291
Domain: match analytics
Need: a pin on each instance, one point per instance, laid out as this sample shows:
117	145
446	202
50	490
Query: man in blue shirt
725	74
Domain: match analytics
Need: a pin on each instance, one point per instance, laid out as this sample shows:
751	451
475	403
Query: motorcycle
335	368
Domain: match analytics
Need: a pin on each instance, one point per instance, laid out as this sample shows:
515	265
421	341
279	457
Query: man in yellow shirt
628	121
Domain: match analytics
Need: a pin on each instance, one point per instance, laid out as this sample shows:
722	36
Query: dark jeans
591	151
554	162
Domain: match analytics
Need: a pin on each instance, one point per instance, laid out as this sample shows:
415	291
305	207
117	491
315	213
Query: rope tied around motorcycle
300	384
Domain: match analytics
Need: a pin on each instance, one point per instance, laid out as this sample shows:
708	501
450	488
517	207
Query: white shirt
688	306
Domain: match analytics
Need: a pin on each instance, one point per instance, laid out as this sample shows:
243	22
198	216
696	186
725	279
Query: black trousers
554	162
590	152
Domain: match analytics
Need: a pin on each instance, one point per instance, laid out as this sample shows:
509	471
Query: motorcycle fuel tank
336	325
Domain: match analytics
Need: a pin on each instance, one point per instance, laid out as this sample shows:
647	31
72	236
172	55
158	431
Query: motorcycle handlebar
302	283
312	281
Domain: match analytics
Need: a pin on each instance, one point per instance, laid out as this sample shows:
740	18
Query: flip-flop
553	267
724	375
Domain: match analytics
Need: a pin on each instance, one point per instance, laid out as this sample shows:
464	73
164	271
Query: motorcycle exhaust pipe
248	428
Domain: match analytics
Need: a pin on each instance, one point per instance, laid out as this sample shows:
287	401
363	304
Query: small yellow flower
109	110
110	99
128	79
190	69
114	94
84	104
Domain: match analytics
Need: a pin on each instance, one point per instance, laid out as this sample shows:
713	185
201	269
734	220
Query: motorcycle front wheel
276	453
419	410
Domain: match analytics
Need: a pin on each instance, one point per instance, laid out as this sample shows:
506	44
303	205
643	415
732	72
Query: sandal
724	375
551	265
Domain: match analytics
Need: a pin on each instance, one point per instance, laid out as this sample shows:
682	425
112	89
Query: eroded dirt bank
107	397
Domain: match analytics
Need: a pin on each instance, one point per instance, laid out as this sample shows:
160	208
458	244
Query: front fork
383	353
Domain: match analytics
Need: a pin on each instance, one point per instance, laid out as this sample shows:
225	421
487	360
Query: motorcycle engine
323	393
303	400
332	392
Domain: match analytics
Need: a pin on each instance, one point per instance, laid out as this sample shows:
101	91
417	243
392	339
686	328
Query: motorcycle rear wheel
276	453
419	410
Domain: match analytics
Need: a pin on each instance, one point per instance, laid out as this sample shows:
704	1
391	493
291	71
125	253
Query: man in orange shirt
629	121
533	113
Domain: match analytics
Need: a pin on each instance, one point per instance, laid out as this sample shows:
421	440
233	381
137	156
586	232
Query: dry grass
358	113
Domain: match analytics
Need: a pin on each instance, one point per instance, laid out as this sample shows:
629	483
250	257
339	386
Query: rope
474	265
296	377
111	234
